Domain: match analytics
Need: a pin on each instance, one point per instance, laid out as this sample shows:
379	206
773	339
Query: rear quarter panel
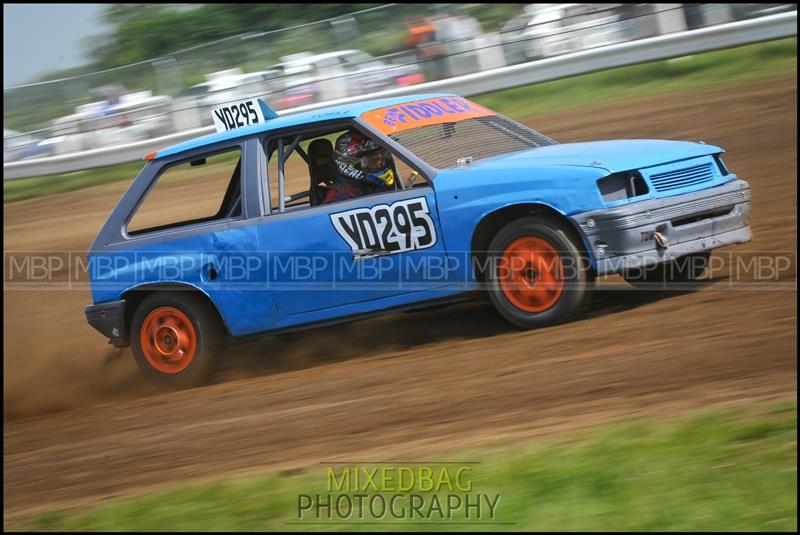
232	252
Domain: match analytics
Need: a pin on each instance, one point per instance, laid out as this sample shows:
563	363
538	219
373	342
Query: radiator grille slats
681	178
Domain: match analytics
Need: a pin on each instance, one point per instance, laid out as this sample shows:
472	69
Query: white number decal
387	228
238	115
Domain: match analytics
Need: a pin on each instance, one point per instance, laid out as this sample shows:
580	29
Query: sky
40	38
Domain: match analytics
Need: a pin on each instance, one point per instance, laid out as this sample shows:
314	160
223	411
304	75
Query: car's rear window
448	131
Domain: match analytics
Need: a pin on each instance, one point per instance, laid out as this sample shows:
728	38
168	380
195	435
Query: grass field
733	66
29	188
722	470
719	68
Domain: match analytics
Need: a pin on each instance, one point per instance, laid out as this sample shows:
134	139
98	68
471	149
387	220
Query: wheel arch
493	221
134	296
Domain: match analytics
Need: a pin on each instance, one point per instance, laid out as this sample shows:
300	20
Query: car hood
613	156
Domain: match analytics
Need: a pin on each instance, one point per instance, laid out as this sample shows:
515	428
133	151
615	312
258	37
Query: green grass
712	471
720	68
28	188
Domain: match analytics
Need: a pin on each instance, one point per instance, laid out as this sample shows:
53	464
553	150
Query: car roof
342	111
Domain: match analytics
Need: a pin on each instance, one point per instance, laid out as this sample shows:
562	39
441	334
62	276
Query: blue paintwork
614	155
268	112
562	177
252	306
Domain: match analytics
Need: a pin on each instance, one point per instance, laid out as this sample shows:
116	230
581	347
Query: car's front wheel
537	273
174	336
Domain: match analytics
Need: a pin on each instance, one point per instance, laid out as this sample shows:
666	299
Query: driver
364	168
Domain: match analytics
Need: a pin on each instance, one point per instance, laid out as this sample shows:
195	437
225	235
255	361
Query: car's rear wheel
686	269
174	336
537	273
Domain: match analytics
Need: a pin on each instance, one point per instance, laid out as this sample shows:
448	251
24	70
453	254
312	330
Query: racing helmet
360	158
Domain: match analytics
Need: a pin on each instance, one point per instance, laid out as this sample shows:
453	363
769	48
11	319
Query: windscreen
446	131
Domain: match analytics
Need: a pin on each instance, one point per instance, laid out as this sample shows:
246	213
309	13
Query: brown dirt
80	426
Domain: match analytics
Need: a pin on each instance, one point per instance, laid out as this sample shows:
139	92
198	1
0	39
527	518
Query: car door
359	250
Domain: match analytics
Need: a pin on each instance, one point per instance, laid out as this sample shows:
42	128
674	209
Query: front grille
702	217
674	212
680	178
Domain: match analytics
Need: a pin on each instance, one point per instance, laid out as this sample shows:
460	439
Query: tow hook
661	241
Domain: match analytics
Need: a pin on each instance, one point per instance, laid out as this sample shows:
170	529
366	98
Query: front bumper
109	319
660	230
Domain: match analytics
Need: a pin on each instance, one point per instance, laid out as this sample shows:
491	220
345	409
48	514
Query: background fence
113	115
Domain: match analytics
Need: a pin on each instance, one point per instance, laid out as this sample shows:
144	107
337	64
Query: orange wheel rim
168	340
531	274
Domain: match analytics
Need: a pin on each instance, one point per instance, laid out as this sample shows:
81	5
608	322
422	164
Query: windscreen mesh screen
442	145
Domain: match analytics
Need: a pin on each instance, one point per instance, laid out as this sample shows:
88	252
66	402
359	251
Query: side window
297	178
410	176
197	191
326	167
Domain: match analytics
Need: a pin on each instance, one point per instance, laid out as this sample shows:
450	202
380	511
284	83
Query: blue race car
266	226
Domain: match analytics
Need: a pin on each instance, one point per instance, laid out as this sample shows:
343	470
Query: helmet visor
374	159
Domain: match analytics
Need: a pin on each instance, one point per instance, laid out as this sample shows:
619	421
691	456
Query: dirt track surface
80	427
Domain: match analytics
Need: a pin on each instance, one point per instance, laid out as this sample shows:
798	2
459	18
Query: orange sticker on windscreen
426	112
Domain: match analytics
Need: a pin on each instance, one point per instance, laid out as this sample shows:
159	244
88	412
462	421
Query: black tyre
683	270
174	336
537	273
